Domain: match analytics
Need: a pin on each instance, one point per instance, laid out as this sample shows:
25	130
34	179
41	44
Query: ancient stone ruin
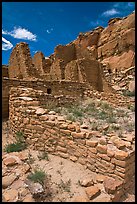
79	69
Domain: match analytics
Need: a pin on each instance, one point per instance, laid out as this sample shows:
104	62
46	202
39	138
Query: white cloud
110	12
4	32
21	33
6	45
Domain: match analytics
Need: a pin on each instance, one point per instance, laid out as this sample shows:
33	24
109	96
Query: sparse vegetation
37	176
19	145
131	107
65	185
128	93
43	155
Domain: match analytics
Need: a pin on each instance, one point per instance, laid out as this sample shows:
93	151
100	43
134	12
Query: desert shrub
128	93
38	176
19	145
65	185
43	155
15	147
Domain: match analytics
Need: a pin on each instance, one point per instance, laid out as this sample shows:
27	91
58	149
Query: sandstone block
11	195
92	192
8	180
43	117
100	178
81	135
111	185
62	149
71	127
121	155
102	148
10	161
73	158
86	182
91	143
103	156
64	155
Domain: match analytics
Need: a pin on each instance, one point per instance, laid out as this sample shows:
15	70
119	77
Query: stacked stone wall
47	131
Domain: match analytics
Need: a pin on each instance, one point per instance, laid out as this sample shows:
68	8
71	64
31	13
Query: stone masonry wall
5	98
20	63
46	130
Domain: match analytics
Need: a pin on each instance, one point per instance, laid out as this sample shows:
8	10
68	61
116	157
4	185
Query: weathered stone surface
132	86
11	160
121	155
11	195
92	192
40	111
86	182
78	135
102	148
8	180
111	185
100	178
91	143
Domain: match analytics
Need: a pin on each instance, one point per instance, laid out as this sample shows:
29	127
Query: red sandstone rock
91	143
10	161
11	195
78	135
132	86
102	148
111	185
92	192
121	155
86	182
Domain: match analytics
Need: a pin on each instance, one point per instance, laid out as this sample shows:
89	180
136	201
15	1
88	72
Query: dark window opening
48	91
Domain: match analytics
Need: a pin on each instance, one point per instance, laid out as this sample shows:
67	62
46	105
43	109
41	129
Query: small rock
35	188
40	111
132	86
52	112
92	192
10	161
100	178
111	185
73	158
102	140
52	117
11	195
120	144
61	118
86	182
8	180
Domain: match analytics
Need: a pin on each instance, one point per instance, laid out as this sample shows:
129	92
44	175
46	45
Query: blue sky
44	25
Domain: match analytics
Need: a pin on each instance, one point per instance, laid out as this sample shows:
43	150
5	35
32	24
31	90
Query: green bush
19	145
128	93
15	147
38	176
